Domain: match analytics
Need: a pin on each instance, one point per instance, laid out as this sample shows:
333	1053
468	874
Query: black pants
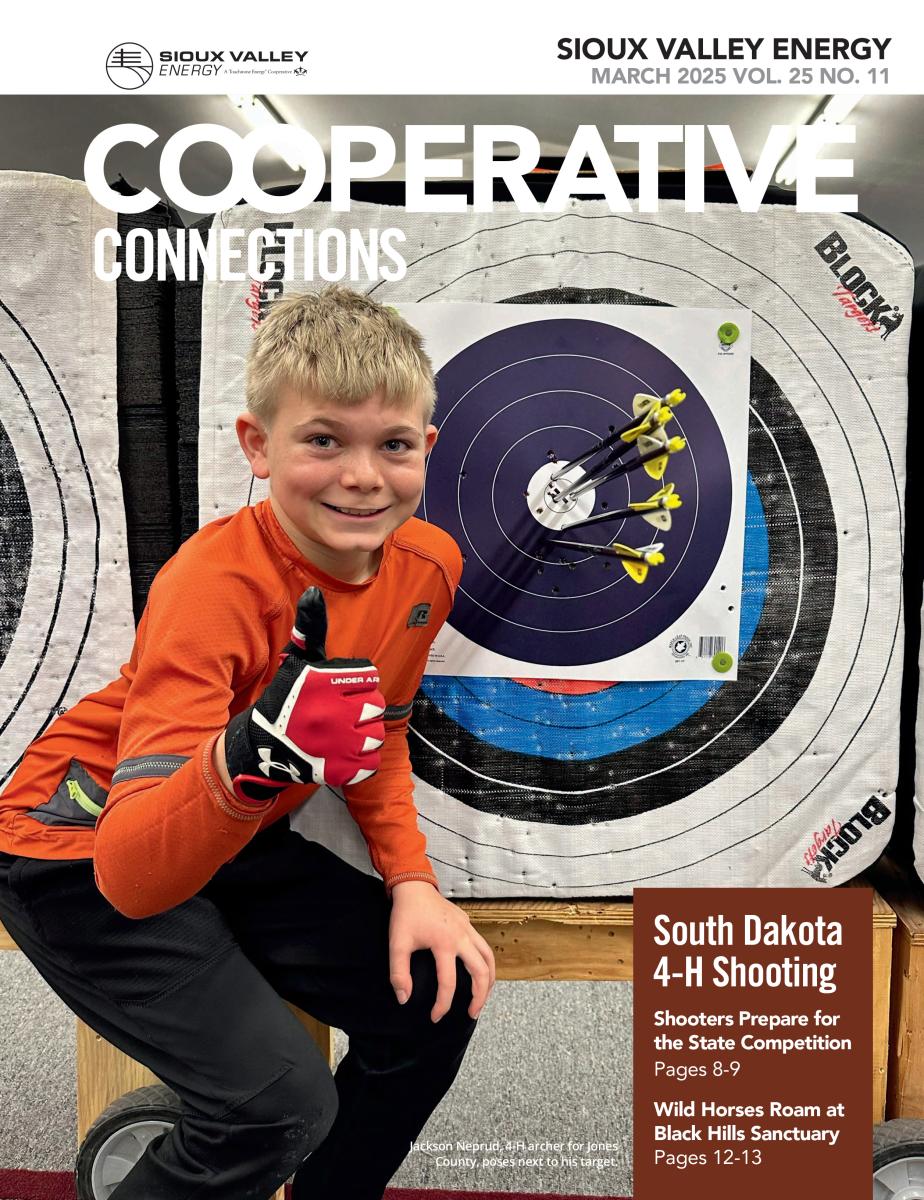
196	994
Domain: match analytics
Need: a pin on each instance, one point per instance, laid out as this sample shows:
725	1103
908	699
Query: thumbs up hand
309	633
318	720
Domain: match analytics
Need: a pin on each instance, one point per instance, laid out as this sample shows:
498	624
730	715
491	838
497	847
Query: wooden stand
555	939
883	927
905	893
536	939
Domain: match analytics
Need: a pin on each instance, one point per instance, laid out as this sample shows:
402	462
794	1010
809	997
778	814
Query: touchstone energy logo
129	66
858	297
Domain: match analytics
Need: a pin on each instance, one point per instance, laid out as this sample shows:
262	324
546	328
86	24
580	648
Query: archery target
516	395
65	601
652	727
785	775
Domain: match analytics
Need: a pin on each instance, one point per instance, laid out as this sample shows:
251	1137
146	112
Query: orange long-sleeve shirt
218	615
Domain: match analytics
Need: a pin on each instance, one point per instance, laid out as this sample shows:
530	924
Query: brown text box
716	1114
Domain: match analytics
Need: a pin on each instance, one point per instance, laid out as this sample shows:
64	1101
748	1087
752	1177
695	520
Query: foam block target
784	775
65	600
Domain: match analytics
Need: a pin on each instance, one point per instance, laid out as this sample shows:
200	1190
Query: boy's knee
297	1111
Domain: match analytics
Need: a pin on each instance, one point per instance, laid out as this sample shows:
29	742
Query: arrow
636	562
656	412
656	457
641	402
655	510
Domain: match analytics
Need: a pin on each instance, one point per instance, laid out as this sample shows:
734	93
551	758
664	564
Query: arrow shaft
598	449
617	472
604	444
605	551
607	516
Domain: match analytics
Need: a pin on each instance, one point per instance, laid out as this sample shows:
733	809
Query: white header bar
479	47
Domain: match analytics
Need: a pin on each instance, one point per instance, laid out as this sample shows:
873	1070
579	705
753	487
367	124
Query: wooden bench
531	939
903	890
883	927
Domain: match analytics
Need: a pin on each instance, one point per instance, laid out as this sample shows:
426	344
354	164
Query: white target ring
70	626
552	506
53	625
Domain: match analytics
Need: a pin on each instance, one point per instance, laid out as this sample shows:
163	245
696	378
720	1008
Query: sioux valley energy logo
129	66
232	62
859	298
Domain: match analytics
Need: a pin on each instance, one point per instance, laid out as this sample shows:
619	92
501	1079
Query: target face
663	740
518	404
504	765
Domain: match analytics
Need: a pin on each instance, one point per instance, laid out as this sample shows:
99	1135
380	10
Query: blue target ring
551	388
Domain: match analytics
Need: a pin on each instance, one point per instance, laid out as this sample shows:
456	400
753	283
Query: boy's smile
342	478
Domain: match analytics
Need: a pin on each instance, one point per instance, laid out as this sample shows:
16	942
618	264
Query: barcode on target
709	646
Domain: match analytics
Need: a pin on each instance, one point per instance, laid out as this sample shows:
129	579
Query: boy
171	786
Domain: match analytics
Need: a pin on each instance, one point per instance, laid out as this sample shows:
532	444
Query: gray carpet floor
550	1062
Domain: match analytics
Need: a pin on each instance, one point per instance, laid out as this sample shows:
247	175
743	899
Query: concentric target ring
48	629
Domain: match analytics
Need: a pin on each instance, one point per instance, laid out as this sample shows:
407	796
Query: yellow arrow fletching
642	402
636	570
657	467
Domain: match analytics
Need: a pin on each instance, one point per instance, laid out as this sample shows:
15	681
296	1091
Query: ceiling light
831	112
259	114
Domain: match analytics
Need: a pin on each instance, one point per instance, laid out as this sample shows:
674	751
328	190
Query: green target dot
729	333
722	662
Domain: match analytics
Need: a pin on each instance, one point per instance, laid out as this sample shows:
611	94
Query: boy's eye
323	441
396	444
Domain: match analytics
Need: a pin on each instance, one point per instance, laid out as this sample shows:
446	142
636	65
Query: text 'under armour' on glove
318	720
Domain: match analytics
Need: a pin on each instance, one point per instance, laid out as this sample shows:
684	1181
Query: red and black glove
318	720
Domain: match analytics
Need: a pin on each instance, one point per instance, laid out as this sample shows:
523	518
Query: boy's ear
431	433
253	439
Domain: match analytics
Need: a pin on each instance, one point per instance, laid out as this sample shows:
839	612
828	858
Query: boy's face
341	478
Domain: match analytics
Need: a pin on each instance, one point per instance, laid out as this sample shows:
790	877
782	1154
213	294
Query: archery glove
318	720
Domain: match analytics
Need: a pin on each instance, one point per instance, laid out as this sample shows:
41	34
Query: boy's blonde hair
341	346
